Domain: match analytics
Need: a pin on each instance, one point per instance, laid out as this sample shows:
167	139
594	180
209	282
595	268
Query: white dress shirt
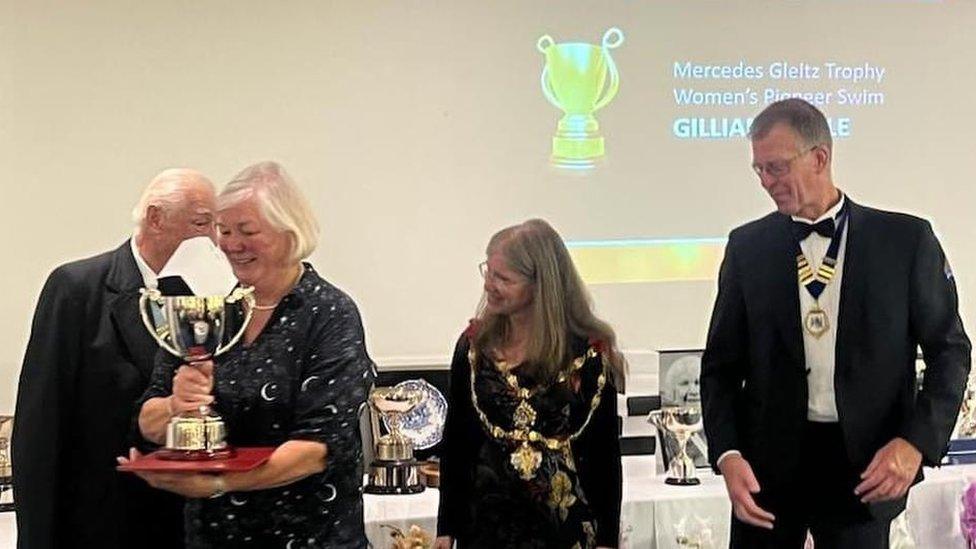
148	275
819	353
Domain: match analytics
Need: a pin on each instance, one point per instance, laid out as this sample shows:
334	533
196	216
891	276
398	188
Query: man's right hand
741	484
192	386
443	542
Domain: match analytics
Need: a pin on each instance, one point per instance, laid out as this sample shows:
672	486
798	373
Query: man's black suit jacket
897	293
88	360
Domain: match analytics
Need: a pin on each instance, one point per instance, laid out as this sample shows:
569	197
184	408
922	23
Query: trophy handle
611	39
155	296
545	41
247	294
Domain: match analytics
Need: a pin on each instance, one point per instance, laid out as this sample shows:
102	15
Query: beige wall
418	128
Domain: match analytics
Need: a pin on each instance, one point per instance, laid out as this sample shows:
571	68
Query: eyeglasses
491	276
779	168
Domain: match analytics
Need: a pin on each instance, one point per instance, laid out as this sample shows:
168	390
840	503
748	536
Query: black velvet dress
305	377
547	497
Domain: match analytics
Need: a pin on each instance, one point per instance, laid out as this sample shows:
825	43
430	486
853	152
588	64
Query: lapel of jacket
122	287
784	290
851	289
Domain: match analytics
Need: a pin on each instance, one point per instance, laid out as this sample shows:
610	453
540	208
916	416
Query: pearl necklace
275	304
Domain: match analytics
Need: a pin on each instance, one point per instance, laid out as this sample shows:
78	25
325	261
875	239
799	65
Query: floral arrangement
967	519
414	538
694	536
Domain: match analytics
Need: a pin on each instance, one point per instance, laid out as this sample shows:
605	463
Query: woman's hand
188	485
192	386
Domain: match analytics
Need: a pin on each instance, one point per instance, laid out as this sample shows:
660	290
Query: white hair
166	191
680	370
279	200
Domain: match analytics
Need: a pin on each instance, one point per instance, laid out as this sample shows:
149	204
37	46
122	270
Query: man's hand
890	473
741	483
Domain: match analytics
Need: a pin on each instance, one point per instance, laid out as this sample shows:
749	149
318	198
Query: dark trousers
821	500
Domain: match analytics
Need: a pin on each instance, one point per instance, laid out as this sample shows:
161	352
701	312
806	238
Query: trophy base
576	151
682	481
170	454
394	477
6	495
196	436
392	490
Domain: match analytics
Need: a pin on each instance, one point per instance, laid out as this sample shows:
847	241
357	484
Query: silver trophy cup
679	423
193	329
394	469
414	412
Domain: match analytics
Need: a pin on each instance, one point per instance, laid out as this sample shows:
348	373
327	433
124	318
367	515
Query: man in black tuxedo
88	360
812	410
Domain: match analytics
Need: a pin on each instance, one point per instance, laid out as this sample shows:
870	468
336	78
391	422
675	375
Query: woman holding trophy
531	454
296	382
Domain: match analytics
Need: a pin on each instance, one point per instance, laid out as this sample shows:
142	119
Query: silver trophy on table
6	466
966	422
193	329
413	412
680	423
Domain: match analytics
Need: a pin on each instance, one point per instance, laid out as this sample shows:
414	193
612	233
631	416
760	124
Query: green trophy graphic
574	80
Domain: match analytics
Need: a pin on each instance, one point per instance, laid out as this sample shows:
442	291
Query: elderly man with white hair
88	360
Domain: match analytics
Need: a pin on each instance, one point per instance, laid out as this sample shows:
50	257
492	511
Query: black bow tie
824	228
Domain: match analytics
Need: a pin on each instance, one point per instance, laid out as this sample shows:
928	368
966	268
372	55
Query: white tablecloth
653	512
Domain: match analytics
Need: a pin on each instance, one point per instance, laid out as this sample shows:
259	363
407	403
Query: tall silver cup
193	329
679	423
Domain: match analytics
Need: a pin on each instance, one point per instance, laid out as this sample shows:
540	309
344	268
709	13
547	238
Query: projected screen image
707	101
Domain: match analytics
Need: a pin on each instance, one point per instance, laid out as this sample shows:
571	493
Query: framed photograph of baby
679	385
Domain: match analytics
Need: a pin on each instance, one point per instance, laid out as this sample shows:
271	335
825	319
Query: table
653	513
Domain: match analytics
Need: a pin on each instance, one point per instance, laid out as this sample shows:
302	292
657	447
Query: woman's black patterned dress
571	500
305	377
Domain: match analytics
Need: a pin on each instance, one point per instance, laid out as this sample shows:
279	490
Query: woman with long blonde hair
531	451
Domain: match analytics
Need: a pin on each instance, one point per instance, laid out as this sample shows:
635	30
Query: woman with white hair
531	452
682	385
297	382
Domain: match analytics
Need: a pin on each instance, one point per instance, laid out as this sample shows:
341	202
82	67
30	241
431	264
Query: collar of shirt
831	213
148	276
